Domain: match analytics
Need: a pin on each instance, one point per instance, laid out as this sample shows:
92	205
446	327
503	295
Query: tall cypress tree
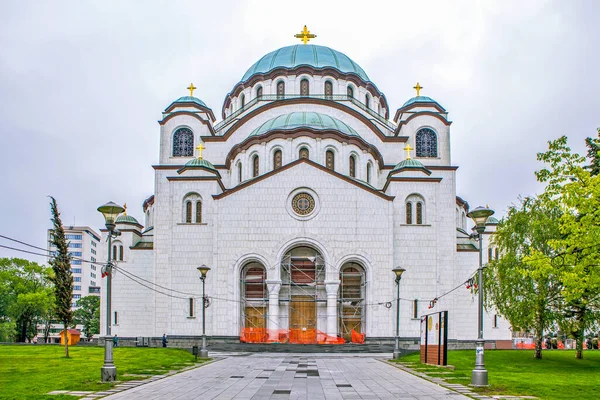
63	278
593	154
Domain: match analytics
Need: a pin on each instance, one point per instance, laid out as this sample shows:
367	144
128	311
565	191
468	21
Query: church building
302	199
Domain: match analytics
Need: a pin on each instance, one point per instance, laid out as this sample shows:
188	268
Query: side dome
126	219
187	99
410	165
492	221
197	162
421	99
312	120
305	54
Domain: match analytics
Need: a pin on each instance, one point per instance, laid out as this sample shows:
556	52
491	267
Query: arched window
352	166
415	210
351	300
277	159
368	101
330	160
426	141
114	252
303	153
304	87
280	89
240	172
350	91
188	212
368	172
120	253
254	297
328	89
242	100
183	143
198	212
191	216
255	164
259	92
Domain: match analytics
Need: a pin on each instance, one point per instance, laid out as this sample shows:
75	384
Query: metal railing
274	97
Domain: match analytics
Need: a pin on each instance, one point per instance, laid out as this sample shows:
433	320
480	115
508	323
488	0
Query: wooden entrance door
303	320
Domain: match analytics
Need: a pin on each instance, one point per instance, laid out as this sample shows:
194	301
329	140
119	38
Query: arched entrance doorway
303	291
254	299
352	302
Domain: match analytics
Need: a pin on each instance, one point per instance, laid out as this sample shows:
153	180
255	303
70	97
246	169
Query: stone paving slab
292	376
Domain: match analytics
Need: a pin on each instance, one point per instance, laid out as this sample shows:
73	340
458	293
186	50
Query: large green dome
305	54
311	120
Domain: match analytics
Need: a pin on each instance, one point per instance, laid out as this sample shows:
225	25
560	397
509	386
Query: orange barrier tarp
296	336
358	337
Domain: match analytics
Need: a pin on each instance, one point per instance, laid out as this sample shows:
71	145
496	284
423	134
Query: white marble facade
249	220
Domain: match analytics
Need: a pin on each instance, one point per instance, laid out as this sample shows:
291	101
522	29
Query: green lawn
515	372
32	371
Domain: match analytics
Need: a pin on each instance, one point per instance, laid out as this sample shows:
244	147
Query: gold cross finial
408	149
191	88
305	35
418	88
200	147
125	209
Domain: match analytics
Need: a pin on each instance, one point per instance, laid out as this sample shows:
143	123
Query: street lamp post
479	376
398	272
203	271
110	211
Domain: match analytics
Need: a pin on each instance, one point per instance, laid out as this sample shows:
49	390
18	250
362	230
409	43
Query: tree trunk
66	339
539	332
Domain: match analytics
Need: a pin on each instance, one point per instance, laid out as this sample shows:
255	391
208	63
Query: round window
303	203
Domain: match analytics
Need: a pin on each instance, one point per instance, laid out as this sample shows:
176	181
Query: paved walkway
292	376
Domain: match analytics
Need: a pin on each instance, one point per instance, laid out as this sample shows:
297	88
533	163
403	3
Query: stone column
332	312
273	313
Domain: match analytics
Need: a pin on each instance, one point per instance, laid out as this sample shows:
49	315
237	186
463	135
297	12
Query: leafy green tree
575	190
25	296
593	154
63	278
88	315
522	284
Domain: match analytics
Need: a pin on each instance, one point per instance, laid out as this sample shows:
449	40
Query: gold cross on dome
191	88
418	88
305	35
125	209
200	147
408	149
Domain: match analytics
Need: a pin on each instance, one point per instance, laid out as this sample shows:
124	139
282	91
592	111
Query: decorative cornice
192	104
418	104
191	114
429	167
187	167
307	70
300	132
251	182
410	179
421	113
197	178
305	100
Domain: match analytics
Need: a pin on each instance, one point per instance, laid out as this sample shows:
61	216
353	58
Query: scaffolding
302	289
351	302
255	302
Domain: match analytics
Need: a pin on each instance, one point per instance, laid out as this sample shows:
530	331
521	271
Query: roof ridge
272	59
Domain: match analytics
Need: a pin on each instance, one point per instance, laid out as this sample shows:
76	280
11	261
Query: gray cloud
82	85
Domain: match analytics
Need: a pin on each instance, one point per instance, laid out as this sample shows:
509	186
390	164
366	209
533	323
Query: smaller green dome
188	99
492	221
411	163
126	219
198	162
421	99
313	120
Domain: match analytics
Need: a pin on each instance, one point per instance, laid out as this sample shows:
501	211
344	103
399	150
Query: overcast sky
83	83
